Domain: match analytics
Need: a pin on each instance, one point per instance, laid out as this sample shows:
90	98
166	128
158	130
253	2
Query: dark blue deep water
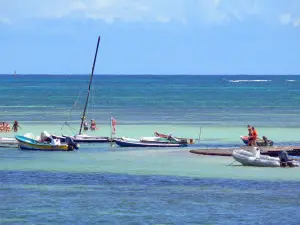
103	198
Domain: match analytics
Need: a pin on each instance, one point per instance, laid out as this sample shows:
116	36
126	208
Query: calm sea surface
221	100
103	185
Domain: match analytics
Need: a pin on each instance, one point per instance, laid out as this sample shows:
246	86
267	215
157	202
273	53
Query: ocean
103	185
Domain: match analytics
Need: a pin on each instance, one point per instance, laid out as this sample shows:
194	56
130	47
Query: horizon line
141	74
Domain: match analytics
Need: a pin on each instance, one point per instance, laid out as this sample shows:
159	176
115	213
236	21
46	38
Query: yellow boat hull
25	143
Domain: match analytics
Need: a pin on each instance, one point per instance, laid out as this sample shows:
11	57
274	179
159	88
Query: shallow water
102	158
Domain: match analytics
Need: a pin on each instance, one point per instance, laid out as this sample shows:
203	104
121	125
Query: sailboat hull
8	142
84	139
90	139
137	143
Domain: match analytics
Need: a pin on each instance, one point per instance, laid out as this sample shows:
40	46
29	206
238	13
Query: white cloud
204	11
296	22
289	19
285	18
5	21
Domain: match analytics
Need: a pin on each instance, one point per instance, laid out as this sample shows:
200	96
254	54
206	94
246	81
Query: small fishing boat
187	140
170	139
260	141
26	143
129	142
6	142
247	158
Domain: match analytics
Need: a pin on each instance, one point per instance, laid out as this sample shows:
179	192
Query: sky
150	36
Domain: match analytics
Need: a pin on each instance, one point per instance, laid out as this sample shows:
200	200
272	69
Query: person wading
93	125
15	126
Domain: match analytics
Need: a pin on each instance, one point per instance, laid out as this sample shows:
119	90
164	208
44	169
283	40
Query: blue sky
150	36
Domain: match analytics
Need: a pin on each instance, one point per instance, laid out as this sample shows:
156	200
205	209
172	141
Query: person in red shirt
254	136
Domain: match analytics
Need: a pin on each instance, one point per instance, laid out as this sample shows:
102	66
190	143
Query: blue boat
137	143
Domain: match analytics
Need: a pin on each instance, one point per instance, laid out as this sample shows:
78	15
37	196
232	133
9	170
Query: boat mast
88	94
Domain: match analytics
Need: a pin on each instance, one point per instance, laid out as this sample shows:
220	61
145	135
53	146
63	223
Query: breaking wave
238	81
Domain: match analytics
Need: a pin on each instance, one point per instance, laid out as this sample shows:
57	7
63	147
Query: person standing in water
93	125
15	126
85	125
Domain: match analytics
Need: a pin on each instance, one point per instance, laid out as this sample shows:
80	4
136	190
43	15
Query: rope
69	126
66	122
75	104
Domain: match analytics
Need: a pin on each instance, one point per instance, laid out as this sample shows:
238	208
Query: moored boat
8	142
170	139
247	158
128	142
187	140
260	141
84	138
26	143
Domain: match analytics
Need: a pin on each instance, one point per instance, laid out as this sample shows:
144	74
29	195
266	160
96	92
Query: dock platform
265	150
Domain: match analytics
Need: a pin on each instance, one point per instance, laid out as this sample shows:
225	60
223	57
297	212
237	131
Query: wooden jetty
265	150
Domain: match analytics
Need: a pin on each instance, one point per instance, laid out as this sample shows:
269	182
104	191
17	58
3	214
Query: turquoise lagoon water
103	185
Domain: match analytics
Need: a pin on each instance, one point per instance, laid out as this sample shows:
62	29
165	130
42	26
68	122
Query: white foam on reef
290	80
237	81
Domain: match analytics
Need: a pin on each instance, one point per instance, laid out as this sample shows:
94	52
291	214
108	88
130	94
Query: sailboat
80	137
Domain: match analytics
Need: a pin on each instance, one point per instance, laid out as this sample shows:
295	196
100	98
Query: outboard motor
267	142
284	159
71	144
183	141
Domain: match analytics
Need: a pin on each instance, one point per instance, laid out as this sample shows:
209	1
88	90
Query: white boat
154	139
254	158
170	139
6	142
129	142
84	138
129	139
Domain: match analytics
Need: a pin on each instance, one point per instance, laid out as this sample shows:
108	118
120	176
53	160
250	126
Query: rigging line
75	103
71	110
69	126
92	100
